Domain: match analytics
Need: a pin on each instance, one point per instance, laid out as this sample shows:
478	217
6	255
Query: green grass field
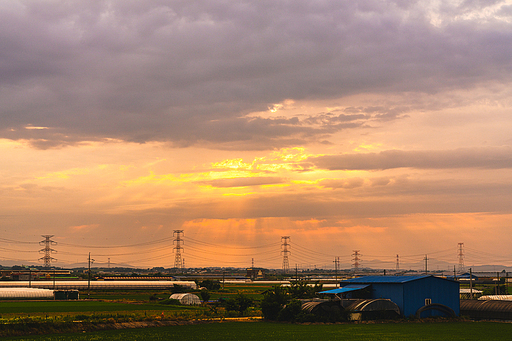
126	306
258	331
7	308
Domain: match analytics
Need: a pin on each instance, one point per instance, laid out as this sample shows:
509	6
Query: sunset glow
384	128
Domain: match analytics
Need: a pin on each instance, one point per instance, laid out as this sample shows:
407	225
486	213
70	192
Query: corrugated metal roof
383	279
346	288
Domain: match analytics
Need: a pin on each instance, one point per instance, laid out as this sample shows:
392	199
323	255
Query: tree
239	303
176	289
205	295
301	290
210	284
273	301
291	311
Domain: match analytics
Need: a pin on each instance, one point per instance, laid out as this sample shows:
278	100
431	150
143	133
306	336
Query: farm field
40	307
251	290
276	331
120	301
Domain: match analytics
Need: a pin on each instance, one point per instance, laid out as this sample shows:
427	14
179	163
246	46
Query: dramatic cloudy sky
382	126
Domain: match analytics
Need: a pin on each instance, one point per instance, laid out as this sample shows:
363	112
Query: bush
178	289
154	298
290	312
273	301
210	284
205	295
239	303
302	290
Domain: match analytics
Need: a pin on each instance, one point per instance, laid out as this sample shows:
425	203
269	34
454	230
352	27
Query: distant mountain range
433	265
489	268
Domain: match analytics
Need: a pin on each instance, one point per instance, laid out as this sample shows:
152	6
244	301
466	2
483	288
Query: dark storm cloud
488	158
179	71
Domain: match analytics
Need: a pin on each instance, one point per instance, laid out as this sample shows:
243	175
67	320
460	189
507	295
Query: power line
232	247
163	240
5	240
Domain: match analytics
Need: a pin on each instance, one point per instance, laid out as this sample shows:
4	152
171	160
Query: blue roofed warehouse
415	295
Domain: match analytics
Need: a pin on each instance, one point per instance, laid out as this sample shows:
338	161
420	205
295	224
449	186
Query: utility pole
356	260
470	284
285	252
506	283
47	250
497	283
336	264
89	277
461	258
397	263
178	262
426	264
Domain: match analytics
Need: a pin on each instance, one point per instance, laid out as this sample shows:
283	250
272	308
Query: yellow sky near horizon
382	127
246	198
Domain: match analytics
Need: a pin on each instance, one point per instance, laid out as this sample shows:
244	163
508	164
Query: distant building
256	273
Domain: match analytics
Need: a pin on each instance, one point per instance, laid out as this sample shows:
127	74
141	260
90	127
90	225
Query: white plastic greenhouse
186	299
25	293
81	285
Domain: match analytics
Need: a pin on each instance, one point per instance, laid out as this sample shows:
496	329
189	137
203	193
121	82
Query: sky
382	126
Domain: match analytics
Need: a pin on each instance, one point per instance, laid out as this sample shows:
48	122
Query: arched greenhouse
186	299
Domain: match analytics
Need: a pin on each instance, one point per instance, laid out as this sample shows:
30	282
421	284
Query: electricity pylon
47	250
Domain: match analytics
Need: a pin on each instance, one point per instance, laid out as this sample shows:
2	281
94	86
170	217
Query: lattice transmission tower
285	252
356	260
461	257
178	261
47	250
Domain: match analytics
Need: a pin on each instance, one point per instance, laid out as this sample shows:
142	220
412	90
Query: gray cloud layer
188	71
490	158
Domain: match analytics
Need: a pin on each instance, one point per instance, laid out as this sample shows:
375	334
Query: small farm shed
186	299
66	294
414	295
